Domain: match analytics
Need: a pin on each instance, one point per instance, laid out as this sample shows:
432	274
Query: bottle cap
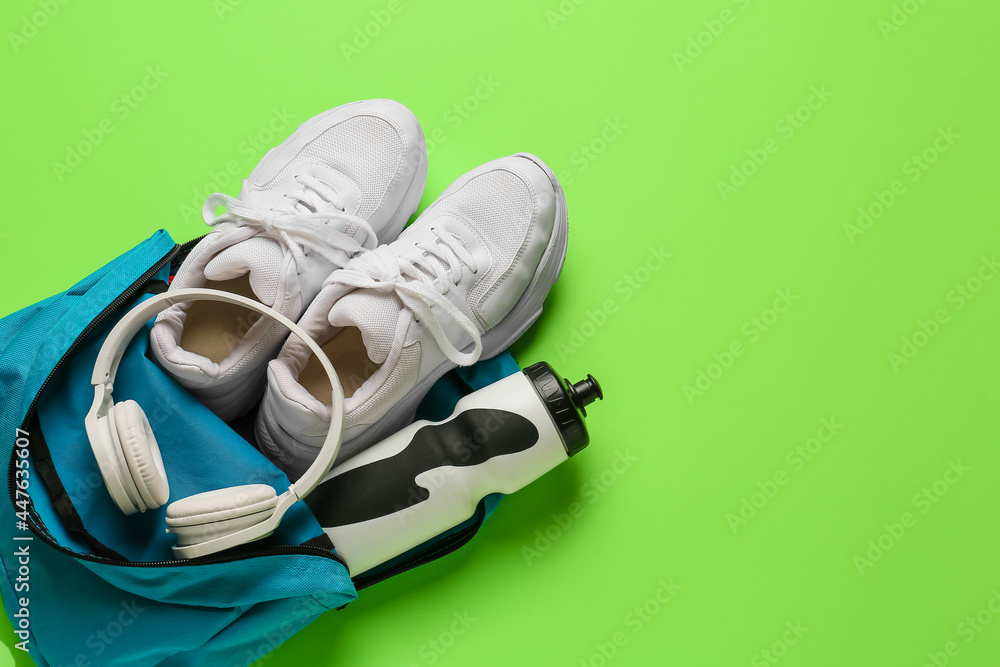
566	403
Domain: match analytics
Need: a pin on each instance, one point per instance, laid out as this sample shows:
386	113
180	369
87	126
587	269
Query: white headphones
130	461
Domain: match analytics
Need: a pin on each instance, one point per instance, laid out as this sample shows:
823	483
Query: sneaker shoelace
421	282
305	223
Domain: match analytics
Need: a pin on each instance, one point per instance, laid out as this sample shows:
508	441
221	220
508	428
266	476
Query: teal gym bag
85	586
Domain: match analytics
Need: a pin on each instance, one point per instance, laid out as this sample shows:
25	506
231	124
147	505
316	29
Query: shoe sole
520	318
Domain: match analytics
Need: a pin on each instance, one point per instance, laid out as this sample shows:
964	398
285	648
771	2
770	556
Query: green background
641	138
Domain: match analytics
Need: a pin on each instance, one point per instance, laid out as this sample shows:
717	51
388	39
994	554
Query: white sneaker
345	180
463	281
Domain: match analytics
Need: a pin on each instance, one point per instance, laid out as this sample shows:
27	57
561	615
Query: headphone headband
106	367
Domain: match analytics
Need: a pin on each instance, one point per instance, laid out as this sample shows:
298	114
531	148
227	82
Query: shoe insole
346	351
212	329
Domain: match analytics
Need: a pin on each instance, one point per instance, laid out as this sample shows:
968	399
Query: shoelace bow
297	228
421	282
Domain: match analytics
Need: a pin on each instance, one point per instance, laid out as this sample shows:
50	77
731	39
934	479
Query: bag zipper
35	523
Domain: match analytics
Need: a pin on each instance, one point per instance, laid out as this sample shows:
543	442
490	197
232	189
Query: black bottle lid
566	402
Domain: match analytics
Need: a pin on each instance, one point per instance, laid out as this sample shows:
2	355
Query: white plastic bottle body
454	490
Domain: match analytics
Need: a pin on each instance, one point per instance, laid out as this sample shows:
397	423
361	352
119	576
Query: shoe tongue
376	314
260	257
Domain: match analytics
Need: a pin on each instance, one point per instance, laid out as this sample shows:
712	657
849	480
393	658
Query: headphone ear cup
142	454
214	514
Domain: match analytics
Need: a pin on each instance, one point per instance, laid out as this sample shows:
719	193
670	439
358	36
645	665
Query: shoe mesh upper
263	258
500	207
351	147
502	210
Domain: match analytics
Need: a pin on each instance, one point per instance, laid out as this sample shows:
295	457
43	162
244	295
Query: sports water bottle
430	476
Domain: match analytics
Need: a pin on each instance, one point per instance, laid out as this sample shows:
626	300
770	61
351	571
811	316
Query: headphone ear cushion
215	514
141	453
221	505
